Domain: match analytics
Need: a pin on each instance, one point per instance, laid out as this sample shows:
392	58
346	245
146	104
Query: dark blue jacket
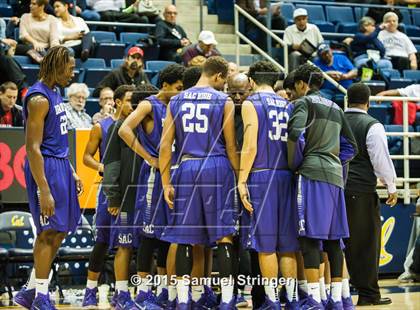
363	42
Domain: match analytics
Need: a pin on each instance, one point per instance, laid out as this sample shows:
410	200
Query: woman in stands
366	45
397	45
73	31
37	31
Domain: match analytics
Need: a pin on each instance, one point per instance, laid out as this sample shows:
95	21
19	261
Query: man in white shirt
297	33
362	202
111	11
409	91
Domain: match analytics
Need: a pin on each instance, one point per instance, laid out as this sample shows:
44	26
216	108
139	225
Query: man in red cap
130	73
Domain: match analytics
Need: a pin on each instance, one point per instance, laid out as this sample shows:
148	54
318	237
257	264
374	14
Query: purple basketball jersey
151	142
273	114
54	141
198	117
105	124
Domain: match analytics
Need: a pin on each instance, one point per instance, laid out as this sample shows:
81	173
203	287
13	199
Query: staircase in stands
189	19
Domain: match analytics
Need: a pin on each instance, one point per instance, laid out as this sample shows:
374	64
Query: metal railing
406	193
343	4
238	10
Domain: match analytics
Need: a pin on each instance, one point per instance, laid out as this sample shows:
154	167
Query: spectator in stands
337	66
206	47
7	46
38	31
258	9
409	91
145	9
378	13
110	11
130	73
73	31
233	69
106	102
76	114
366	42
296	34
397	45
170	36
10	112
86	12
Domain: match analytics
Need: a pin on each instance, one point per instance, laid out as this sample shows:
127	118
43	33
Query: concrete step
216	28
195	18
231	49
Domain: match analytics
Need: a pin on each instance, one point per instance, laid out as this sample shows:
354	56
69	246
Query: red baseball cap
135	50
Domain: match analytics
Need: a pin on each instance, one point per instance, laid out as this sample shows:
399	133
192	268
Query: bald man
170	36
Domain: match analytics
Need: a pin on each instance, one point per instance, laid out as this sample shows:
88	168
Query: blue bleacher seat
287	11
16	34
115	63
150	52
315	12
93	76
31	73
92	106
416	17
339	14
110	51
412	30
399	83
382	112
395	143
224	11
158	65
325	26
391	73
104	36
406	16
132	37
6	10
91	63
412	75
22	60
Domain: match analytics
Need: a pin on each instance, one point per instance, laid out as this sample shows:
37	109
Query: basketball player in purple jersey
201	122
51	182
270	225
320	143
152	214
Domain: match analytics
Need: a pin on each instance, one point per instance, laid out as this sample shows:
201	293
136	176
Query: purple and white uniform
55	151
152	212
273	225
205	206
103	217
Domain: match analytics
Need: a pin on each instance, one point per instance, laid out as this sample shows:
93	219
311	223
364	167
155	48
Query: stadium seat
339	14
315	12
92	76
104	36
382	112
91	63
158	65
92	106
416	17
6	10
412	75
115	63
132	37
325	27
4	282
150	52
412	30
31	73
16	34
391	73
110	51
287	11
23	60
399	83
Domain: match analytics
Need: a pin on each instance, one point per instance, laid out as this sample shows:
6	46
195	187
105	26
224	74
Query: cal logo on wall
18	221
387	228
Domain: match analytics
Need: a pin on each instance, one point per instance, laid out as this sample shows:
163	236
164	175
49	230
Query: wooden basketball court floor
405	296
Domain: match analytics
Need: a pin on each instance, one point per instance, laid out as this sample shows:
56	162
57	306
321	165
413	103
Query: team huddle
180	178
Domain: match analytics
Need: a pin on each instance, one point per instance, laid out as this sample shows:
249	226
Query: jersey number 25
194	120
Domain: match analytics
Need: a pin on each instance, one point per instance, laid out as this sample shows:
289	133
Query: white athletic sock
313	290
91	284
303	285
336	291
31	281
271	291
161	284
182	289
196	292
41	286
291	290
121	286
171	292
328	289
322	289
345	293
227	289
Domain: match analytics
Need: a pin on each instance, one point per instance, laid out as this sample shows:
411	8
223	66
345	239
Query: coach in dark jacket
170	36
130	73
363	208
10	113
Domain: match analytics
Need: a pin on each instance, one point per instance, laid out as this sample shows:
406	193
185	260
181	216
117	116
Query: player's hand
47	203
113	210
296	47
244	195
169	194
392	199
154	162
79	184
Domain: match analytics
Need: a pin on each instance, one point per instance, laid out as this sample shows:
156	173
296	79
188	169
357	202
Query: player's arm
296	134
229	134
92	146
38	107
348	144
249	150
126	131
391	92
165	157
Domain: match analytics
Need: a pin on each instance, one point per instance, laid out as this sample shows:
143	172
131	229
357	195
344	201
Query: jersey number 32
278	130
